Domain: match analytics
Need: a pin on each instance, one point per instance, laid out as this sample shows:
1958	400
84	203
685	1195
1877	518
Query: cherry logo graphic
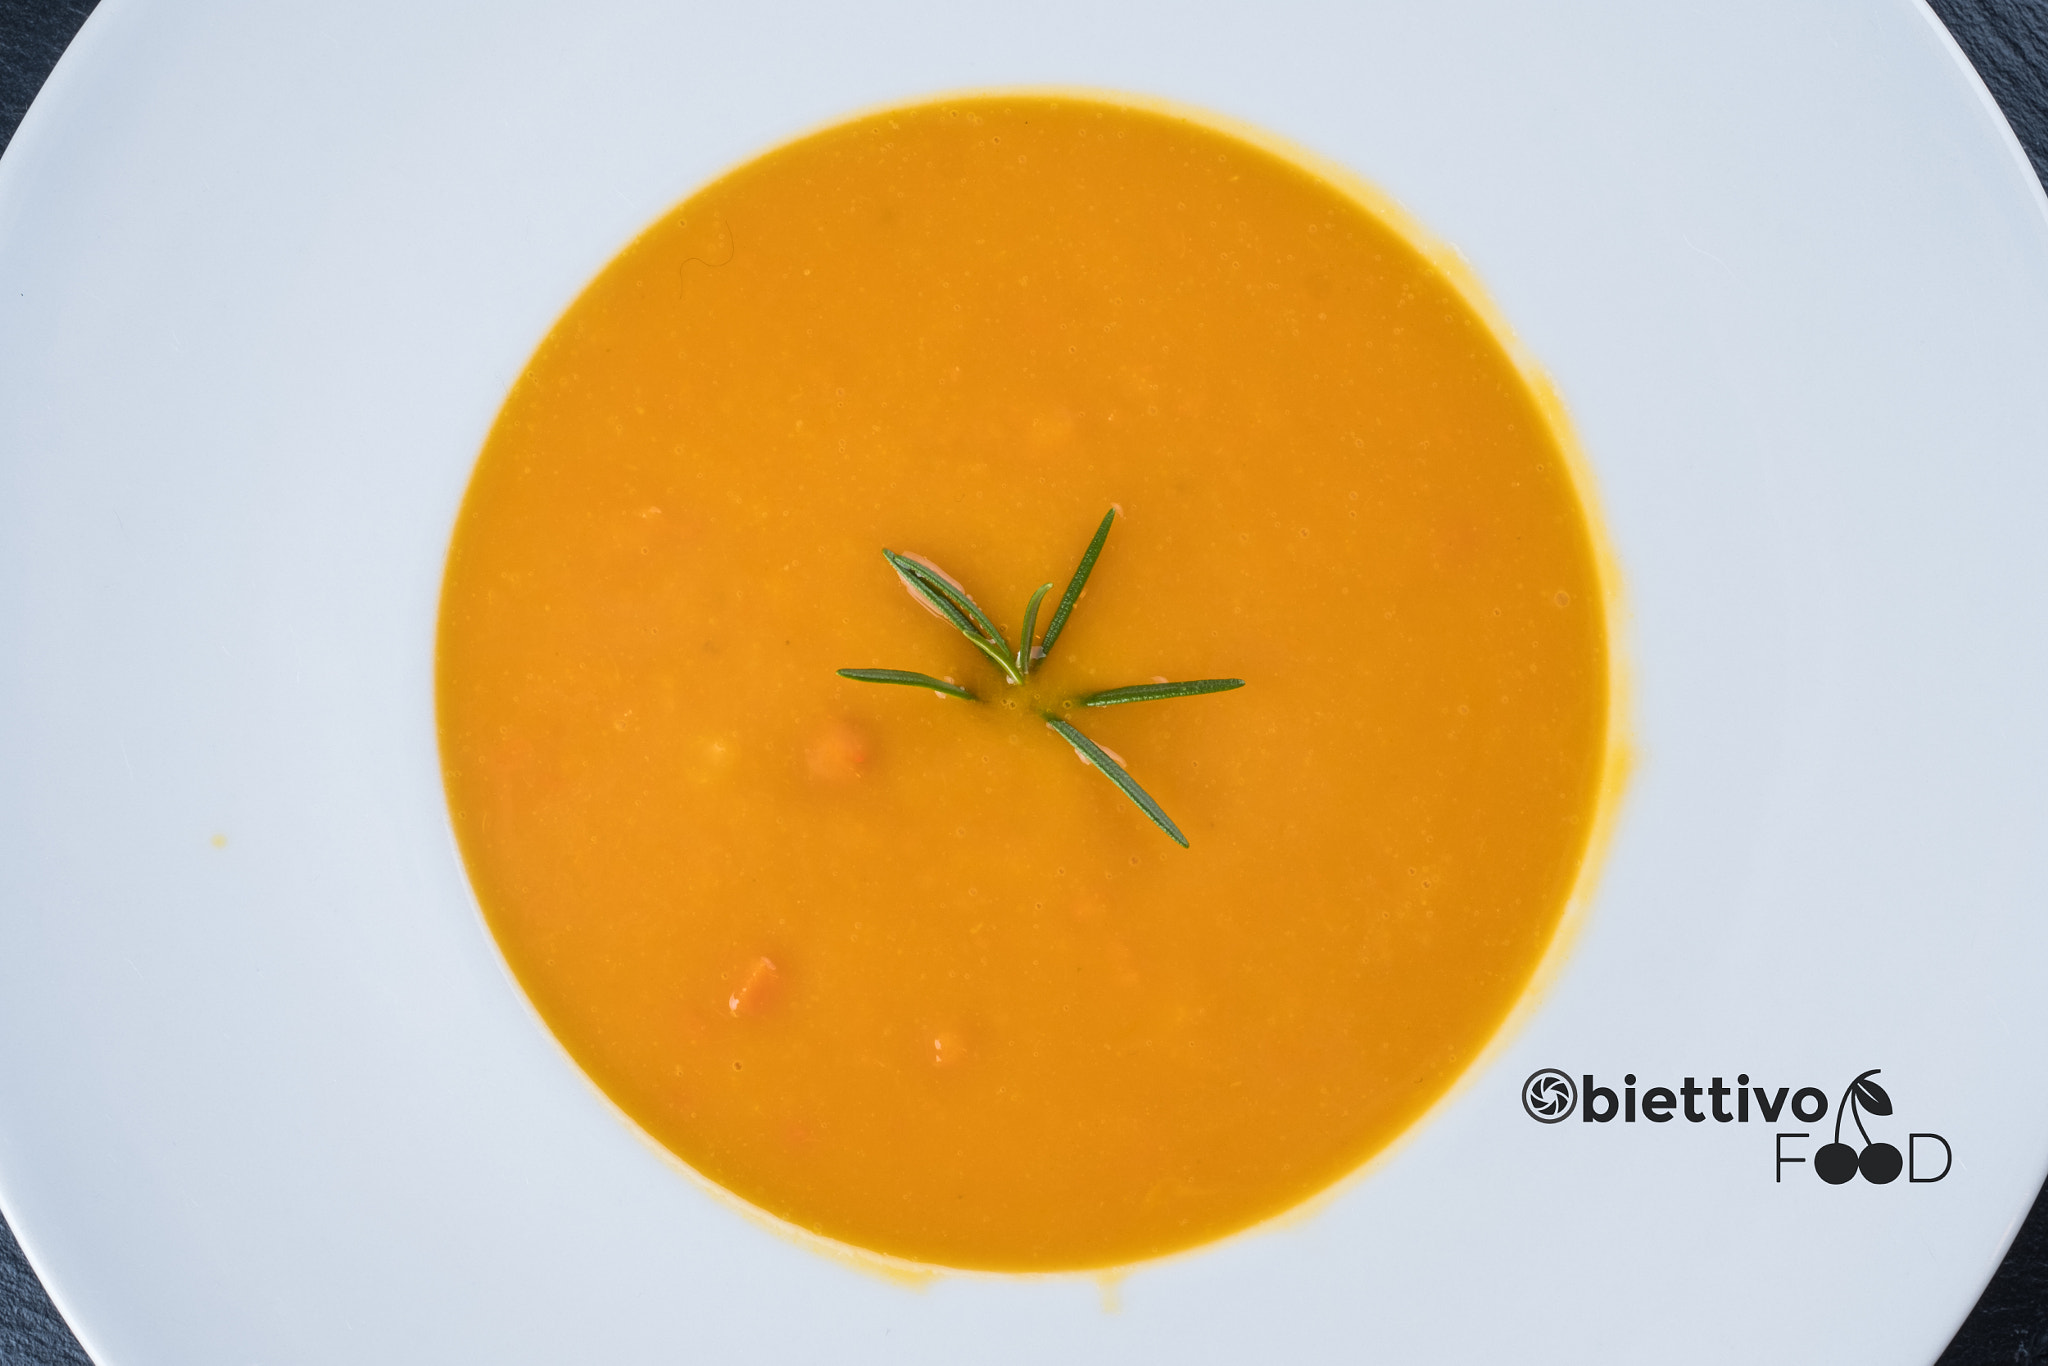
1880	1163
1549	1096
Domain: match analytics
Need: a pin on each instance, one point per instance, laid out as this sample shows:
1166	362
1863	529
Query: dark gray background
2008	41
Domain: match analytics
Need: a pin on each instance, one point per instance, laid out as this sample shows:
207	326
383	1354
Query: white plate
267	273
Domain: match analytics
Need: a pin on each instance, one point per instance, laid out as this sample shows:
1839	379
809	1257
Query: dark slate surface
32	34
32	1333
2008	42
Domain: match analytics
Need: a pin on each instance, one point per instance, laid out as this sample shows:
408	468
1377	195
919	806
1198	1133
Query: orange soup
892	965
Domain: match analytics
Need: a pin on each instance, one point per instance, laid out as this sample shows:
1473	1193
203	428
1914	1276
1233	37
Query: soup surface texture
896	967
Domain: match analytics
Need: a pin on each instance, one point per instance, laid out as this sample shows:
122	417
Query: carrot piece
757	992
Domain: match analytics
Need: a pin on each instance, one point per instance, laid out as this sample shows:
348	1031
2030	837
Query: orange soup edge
901	970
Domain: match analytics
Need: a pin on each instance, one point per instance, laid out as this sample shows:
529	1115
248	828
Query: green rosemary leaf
1075	585
1149	692
998	657
907	679
1030	625
1096	755
913	574
941	591
968	605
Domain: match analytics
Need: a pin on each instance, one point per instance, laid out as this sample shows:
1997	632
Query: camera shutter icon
1549	1096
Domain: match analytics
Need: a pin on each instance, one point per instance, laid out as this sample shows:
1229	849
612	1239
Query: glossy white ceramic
266	272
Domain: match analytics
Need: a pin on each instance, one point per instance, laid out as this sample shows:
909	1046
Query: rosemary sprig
907	679
1151	692
1098	756
951	602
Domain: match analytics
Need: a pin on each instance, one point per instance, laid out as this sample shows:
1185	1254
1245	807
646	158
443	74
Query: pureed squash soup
892	965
